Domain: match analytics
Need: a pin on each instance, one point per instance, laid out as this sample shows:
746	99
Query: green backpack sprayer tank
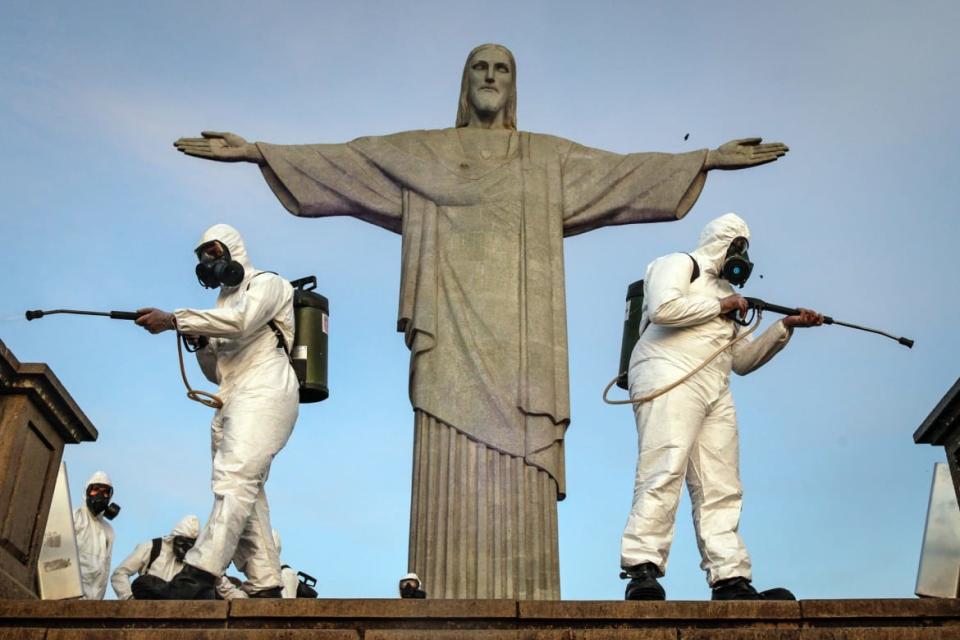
310	349
631	330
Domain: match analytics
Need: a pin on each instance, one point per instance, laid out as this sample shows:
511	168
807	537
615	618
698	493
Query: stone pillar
942	429
37	418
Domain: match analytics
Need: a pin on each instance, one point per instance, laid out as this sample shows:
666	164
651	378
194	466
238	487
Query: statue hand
222	146
746	152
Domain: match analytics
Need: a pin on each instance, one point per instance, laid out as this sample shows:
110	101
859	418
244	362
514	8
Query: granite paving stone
882	608
660	611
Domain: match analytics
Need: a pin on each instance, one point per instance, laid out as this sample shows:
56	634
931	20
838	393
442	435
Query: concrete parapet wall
481	620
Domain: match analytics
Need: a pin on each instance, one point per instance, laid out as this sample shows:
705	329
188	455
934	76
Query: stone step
481	620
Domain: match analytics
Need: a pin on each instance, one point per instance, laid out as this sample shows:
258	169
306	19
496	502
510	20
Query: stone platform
481	620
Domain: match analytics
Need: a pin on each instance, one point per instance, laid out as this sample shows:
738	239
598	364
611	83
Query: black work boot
778	593
190	584
741	589
273	592
643	583
735	589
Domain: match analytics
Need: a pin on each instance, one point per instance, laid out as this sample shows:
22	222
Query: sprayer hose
662	390
204	398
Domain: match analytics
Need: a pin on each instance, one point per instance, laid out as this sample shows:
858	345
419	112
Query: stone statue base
483	524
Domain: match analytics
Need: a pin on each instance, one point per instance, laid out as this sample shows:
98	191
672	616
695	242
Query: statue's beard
487	104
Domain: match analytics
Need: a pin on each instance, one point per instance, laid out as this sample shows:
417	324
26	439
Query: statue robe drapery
482	301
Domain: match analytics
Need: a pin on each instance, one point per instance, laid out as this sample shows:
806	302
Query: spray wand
115	315
761	305
204	398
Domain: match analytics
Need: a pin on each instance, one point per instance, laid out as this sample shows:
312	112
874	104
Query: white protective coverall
94	544
288	574
165	566
691	431
228	591
260	396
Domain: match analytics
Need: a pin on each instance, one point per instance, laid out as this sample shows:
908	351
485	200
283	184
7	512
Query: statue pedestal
942	429
37	418
256	619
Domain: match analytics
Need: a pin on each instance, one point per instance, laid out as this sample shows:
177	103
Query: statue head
489	86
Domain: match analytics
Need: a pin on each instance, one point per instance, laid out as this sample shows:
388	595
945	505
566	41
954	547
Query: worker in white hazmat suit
243	349
227	590
155	561
690	432
95	535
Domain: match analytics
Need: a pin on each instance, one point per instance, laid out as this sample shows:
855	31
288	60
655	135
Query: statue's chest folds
490	222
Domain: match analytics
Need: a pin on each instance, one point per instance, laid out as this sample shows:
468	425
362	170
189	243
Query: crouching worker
690	432
243	344
156	562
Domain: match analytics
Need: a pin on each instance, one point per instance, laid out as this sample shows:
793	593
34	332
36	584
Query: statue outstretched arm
222	146
311	180
602	189
743	153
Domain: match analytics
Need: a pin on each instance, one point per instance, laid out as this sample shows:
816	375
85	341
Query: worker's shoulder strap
644	321
272	323
154	552
260	273
696	269
280	340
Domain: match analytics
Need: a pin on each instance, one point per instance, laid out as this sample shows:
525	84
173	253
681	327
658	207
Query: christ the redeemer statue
483	209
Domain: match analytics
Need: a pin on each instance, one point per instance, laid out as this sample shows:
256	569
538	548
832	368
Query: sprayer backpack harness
154	554
622	378
281	341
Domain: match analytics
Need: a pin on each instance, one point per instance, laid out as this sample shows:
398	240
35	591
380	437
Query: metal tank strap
154	553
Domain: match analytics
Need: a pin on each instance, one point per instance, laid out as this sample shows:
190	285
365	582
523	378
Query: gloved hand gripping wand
202	397
761	305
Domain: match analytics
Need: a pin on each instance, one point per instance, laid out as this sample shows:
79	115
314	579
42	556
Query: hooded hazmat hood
99	477
189	527
715	239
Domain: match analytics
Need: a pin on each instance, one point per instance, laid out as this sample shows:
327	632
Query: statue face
490	80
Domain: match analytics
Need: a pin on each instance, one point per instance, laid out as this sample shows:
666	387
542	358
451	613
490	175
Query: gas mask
736	265
98	501
411	587
182	544
214	272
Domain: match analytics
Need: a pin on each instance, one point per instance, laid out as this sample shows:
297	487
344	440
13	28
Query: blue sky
859	220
